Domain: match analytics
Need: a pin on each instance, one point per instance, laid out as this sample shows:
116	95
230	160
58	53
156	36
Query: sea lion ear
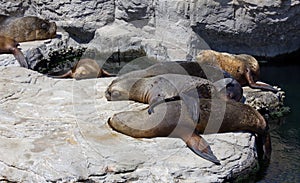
222	83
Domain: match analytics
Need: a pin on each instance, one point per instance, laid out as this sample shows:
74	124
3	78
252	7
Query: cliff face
174	29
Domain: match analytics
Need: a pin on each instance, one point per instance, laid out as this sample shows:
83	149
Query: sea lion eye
44	26
115	94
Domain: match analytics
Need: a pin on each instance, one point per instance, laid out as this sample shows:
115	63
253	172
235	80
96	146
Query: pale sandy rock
56	130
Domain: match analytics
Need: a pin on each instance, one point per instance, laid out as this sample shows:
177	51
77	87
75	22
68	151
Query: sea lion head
45	29
229	89
80	73
120	89
252	64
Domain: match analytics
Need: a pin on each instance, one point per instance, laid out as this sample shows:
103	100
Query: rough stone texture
56	130
177	28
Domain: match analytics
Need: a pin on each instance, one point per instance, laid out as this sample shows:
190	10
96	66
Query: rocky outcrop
56	131
174	30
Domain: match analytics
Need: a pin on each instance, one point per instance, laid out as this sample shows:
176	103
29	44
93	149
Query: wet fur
244	68
26	28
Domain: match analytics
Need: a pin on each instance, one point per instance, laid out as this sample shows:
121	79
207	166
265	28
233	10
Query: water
285	161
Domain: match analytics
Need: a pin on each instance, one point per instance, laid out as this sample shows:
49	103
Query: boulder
178	28
56	131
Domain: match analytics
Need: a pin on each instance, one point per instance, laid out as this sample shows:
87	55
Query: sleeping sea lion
211	73
174	120
26	28
85	69
244	68
10	46
167	87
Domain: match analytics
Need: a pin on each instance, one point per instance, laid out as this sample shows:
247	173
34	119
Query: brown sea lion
10	46
211	73
26	28
85	69
244	68
173	120
166	87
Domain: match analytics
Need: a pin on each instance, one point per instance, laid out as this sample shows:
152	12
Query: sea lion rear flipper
199	146
262	86
20	57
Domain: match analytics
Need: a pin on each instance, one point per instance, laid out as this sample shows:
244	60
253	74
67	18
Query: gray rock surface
56	131
178	29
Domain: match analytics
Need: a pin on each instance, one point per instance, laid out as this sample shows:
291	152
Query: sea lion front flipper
157	102
262	86
192	103
199	146
66	75
20	57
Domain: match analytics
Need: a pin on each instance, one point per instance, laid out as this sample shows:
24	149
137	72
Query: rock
56	131
270	104
178	29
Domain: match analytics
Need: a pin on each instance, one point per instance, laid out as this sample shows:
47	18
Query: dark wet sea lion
244	68
233	89
167	87
10	46
211	73
174	120
26	28
85	69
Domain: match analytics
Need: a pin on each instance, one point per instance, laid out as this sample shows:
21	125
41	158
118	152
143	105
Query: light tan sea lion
244	68
85	69
26	28
173	120
10	46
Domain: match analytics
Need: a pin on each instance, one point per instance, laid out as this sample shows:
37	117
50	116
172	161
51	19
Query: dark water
285	161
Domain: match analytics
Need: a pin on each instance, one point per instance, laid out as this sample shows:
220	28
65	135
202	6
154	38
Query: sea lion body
26	28
174	120
211	73
10	46
244	68
157	89
85	69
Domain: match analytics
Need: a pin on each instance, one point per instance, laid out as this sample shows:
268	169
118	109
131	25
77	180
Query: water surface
285	161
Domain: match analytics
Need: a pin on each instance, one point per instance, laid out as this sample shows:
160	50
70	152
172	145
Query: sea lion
10	46
244	68
173	120
211	73
85	69
167	87
26	28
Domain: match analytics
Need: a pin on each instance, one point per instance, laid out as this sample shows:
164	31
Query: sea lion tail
199	146
20	57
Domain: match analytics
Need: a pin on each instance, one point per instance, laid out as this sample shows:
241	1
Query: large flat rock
56	130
